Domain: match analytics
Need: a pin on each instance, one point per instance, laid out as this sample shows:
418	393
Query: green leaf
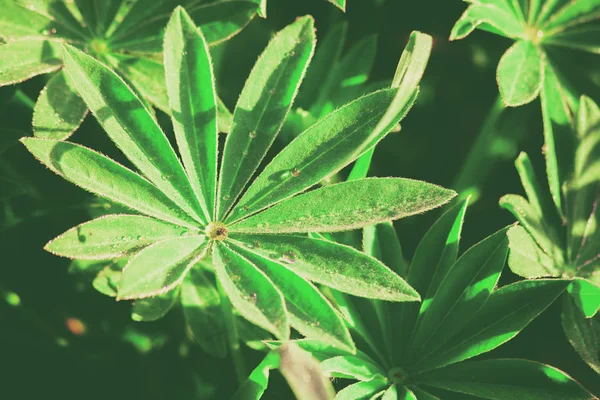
348	76
504	378
17	22
583	333
520	73
526	258
146	75
423	395
351	367
153	308
160	267
111	236
362	390
496	17
309	312
341	4
129	124
347	205
251	292
256	384
508	311
320	71
107	280
98	174
572	13
381	242
262	107
202	308
56	11
303	373
331	264
25	58
191	88
558	134
143	27
463	291
435	255
586	295
323	149
98	14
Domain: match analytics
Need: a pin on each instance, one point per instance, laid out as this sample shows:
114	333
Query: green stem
232	336
23	99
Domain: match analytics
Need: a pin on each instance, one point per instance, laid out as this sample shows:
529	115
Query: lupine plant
127	36
265	248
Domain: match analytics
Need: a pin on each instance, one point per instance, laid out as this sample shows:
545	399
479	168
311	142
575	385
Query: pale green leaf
309	311
351	367
191	88
520	73
59	110
251	292
507	311
586	295
153	308
132	128
463	291
572	13
506	378
583	333
347	205
25	58
262	107
526	258
202	309
98	174
331	264
107	280
497	18
112	236
362	390
58	12
160	267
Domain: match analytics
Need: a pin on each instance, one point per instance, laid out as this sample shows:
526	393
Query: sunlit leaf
520	73
25	58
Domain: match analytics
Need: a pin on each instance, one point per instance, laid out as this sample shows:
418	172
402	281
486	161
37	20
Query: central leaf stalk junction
217	231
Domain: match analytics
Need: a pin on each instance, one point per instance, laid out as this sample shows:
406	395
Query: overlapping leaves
126	36
462	315
190	212
535	26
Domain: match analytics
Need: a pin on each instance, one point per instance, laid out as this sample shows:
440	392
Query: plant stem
23	99
232	336
492	145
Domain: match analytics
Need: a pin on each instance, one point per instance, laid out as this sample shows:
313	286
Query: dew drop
256	244
252	134
295	172
245	207
226	197
253	297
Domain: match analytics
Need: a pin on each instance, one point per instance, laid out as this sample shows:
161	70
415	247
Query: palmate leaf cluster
423	351
564	241
537	26
127	36
254	234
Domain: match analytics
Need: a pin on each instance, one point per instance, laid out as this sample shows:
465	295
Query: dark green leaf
256	384
507	311
495	16
262	107
583	333
362	390
202	308
153	308
503	379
